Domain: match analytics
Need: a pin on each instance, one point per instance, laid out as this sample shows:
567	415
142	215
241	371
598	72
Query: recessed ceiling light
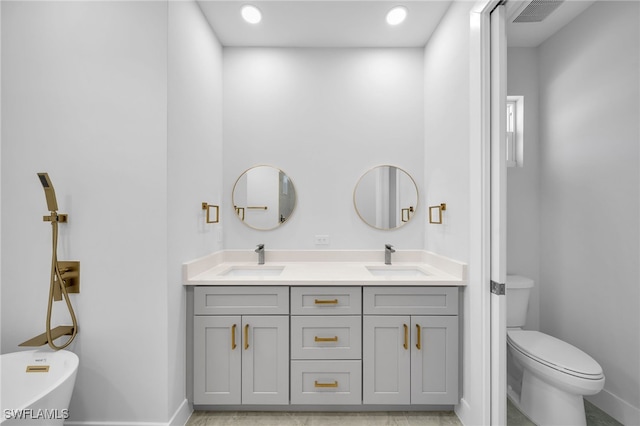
251	14
396	15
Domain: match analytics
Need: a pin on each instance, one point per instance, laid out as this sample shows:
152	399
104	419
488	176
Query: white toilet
547	377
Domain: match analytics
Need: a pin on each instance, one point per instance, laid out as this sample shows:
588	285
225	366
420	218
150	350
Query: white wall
87	103
447	166
589	103
523	183
194	167
84	97
325	117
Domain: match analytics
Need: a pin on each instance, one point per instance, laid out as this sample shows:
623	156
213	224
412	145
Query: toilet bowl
547	376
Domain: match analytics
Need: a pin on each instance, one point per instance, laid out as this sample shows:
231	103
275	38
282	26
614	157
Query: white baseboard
616	407
182	414
179	418
464	413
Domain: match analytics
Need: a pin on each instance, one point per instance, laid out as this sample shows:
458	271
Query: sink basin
253	271
401	271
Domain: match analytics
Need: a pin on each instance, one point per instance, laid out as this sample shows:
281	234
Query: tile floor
400	418
595	417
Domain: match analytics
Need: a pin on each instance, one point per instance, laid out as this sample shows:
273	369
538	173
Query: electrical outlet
322	240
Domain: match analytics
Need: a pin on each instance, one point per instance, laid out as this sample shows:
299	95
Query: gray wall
523	183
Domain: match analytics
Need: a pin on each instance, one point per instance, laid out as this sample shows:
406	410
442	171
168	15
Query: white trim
616	407
474	408
179	418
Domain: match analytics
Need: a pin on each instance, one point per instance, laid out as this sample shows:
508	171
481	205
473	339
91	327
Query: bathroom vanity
309	330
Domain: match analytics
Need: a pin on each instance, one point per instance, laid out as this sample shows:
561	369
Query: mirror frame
410	215
241	217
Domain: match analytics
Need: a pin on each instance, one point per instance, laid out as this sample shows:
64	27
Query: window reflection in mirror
386	197
264	197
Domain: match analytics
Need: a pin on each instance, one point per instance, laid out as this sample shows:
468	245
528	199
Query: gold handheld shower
64	277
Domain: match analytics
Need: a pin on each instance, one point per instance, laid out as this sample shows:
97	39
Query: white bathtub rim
68	374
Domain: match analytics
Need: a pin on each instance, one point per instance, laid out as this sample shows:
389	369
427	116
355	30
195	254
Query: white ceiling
324	23
360	23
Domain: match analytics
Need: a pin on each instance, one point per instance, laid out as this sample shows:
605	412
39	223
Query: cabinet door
434	360
216	360
386	360
265	359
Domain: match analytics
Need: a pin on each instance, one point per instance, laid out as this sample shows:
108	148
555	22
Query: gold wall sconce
435	213
211	217
406	213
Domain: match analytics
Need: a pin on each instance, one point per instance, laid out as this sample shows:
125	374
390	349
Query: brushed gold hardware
55	217
406	336
63	275
233	336
70	274
419	331
326	339
37	369
240	212
438	211
208	207
406	213
246	337
41	339
326	302
326	385
257	207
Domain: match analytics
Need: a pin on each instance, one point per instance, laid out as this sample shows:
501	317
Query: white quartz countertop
325	268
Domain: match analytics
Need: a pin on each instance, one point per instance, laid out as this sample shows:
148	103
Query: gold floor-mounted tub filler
64	278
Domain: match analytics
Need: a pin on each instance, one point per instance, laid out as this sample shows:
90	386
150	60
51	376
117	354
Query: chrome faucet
388	249
260	251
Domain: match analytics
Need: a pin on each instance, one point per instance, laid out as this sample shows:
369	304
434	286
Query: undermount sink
391	271
253	271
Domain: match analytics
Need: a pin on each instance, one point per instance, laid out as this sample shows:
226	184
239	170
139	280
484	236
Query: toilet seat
555	354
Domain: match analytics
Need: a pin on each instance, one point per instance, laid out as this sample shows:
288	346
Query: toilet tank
517	291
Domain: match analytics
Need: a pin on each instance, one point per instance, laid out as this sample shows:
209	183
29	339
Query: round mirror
386	197
264	197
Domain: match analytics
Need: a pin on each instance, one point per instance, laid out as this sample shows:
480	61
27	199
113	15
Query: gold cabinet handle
406	336
326	339
419	331
326	385
246	337
233	336
326	302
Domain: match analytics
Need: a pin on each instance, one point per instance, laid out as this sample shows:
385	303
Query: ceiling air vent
538	10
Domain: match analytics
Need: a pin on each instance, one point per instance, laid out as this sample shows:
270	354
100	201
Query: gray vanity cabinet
326	345
242	358
408	357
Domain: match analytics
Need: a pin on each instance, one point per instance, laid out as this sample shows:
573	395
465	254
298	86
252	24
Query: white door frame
480	201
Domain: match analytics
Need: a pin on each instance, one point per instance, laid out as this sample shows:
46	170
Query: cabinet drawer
410	300
326	300
326	337
326	382
241	300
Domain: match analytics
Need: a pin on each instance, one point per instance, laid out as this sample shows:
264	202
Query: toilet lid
555	353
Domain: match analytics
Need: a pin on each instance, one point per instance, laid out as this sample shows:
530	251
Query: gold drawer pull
326	385
233	336
326	302
326	339
419	342
246	337
406	336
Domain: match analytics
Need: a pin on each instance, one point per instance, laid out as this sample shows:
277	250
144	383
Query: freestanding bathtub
36	387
